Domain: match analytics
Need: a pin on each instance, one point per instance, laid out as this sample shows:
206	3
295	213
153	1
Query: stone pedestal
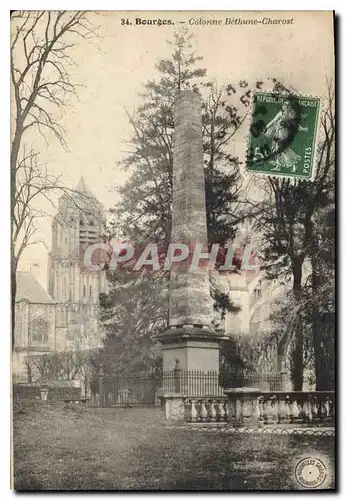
197	356
243	406
173	407
196	350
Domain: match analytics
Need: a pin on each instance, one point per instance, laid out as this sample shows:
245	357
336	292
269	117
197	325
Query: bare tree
41	47
46	367
64	365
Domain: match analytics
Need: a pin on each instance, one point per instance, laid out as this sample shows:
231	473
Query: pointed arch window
39	330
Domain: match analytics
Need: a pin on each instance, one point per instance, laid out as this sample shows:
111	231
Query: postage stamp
282	137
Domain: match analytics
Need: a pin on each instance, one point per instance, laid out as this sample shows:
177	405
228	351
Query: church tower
75	288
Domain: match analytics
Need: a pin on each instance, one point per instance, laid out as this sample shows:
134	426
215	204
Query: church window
90	290
91	222
81	223
84	290
39	330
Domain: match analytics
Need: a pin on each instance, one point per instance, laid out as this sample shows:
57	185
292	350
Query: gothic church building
66	316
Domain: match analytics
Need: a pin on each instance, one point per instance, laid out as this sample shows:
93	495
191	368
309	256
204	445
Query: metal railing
145	389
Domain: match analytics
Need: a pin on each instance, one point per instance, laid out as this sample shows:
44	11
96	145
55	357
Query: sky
112	68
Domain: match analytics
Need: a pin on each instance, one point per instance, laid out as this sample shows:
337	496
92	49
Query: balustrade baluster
213	412
226	407
295	410
198	409
331	408
324	408
314	408
289	411
187	410
269	409
261	409
231	407
239	408
193	411
266	409
203	411
307	410
274	409
208	410
220	411
327	406
300	406
281	410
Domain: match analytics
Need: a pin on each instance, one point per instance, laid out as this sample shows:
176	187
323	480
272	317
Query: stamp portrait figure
279	130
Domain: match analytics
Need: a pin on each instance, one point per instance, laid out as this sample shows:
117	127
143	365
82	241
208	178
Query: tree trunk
14	263
321	375
297	351
13	296
297	359
323	341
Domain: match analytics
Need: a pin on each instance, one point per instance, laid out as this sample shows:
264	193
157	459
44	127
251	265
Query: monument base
196	348
173	407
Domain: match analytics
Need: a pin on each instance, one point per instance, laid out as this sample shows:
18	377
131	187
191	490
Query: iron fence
33	392
260	381
131	390
145	389
192	383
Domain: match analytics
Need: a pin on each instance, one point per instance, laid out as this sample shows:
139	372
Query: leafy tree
132	313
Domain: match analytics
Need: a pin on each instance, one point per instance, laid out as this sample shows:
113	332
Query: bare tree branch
42	46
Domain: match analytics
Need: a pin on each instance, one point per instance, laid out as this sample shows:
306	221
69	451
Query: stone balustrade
206	409
254	408
281	407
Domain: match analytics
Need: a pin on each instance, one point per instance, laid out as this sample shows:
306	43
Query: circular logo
310	472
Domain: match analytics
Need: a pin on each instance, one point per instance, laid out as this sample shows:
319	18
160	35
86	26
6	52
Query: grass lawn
62	448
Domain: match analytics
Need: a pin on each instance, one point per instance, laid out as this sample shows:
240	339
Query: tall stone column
190	337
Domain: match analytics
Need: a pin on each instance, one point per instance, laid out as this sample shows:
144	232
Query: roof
83	198
28	288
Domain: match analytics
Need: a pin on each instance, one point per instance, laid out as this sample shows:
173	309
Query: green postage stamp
282	138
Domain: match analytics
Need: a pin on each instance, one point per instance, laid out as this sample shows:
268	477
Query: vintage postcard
173	250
